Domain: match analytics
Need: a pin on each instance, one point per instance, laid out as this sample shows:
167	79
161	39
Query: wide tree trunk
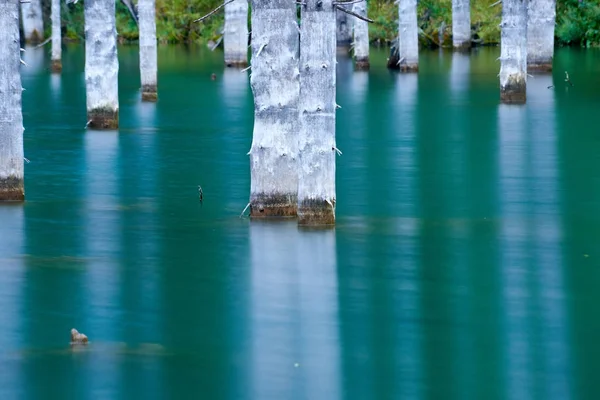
101	64
235	36
147	24
317	147
513	51
461	24
343	28
33	23
56	53
11	117
408	36
275	85
541	18
361	37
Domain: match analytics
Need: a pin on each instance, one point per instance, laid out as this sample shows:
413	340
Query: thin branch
496	3
43	43
213	11
343	3
246	69
242	214
353	13
129	6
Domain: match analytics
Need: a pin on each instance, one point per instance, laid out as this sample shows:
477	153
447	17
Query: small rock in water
78	338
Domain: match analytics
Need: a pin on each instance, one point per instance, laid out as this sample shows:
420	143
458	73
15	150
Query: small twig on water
213	11
245	208
353	13
567	79
200	193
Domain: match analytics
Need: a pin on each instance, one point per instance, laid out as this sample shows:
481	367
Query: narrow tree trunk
275	85
56	54
513	51
541	18
343	28
101	64
408	36
461	24
235	36
33	23
316	188
11	117
361	37
147	24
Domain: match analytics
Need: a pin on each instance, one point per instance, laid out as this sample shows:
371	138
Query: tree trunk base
462	47
275	205
315	213
409	67
11	189
540	67
56	66
514	92
236	64
362	65
103	119
149	93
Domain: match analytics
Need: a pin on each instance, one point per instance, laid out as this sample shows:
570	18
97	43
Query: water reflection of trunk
295	347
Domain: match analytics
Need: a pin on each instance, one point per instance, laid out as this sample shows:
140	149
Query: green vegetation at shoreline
577	22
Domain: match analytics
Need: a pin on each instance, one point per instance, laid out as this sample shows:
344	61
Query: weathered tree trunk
408	36
343	28
11	117
361	37
317	147
275	85
513	51
101	64
541	18
461	24
147	24
33	23
56	53
235	36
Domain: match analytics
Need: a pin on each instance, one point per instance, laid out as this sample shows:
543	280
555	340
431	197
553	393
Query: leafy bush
578	23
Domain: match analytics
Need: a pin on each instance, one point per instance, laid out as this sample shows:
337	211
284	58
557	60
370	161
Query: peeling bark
235	36
343	31
11	117
361	37
316	188
408	36
101	64
275	86
513	51
33	24
56	53
541	18
147	24
461	24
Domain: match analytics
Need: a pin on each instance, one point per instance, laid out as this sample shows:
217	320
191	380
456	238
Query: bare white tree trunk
56	53
343	28
408	35
361	37
541	18
317	147
147	24
33	24
513	51
275	85
11	117
235	36
461	24
101	64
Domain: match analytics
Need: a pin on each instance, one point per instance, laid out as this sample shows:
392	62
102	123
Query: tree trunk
147	24
235	36
408	36
275	85
56	54
343	28
33	23
461	24
513	51
317	147
361	37
101	64
541	18
11	117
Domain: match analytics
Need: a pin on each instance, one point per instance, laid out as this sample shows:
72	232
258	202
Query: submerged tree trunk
275	85
408	36
11	117
541	18
147	24
56	54
235	36
101	64
317	147
361	37
33	23
343	28
513	51
461	24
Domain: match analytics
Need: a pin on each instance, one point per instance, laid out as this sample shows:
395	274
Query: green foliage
578	23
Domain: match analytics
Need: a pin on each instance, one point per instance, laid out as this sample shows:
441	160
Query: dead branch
43	43
213	11
353	13
496	3
343	3
129	6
